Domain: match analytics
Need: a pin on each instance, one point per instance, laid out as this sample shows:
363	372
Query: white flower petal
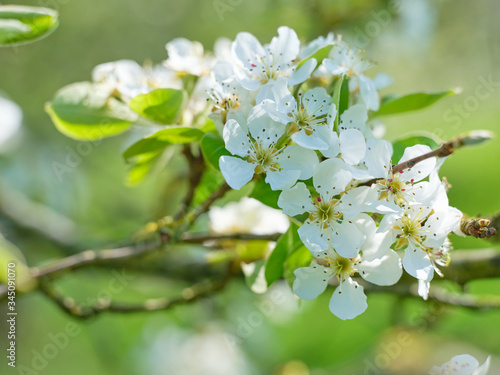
281	180
347	239
369	93
246	48
311	281
236	138
297	158
296	200
236	172
314	237
353	201
331	177
417	263
348	300
354	117
378	157
302	73
315	141
420	170
286	45
384	271
333	141
352	146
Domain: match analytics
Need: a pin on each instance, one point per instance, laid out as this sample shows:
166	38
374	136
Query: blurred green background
426	45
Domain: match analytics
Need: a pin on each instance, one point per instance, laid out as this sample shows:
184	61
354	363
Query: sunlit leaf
24	24
161	105
83	111
412	102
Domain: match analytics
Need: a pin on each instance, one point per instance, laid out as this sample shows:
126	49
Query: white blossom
464	364
260	66
257	149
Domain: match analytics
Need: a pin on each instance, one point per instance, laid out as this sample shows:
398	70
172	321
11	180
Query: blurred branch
43	220
76	310
204	207
440	295
196	167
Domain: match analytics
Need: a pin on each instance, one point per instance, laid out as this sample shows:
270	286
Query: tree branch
196	168
188	295
446	149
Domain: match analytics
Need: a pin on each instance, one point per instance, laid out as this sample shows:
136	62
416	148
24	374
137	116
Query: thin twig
204	207
198	238
196	167
188	295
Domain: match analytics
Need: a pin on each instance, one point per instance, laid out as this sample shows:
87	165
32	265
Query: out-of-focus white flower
129	79
343	60
247	216
464	364
11	118
187	57
210	352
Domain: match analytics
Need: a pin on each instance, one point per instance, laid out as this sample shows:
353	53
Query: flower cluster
299	117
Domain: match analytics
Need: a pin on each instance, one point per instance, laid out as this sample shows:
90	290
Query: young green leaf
263	192
213	147
83	111
24	24
163	106
287	244
153	144
412	102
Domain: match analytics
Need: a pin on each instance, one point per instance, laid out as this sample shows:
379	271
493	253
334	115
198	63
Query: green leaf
150	146
161	105
301	257
287	244
83	111
400	145
340	97
412	102
24	24
319	55
263	193
213	147
210	181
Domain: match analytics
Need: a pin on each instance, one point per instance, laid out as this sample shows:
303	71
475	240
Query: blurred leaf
144	167
83	111
213	147
10	254
400	145
263	192
412	102
153	144
24	24
211	180
319	55
337	98
161	105
301	257
287	244
253	276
